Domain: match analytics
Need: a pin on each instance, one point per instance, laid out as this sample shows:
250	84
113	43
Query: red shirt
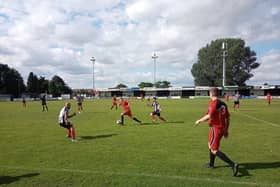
125	105
218	114
268	97
114	100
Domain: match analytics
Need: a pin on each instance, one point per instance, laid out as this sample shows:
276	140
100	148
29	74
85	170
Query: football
118	121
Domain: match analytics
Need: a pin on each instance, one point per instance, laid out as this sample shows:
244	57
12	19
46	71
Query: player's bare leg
152	117
162	118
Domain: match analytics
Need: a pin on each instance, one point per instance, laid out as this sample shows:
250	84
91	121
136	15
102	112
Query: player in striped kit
64	122
156	111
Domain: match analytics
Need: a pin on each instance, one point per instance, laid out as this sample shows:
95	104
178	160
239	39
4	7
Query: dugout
138	93
201	91
188	92
273	92
127	93
162	93
244	91
150	92
116	93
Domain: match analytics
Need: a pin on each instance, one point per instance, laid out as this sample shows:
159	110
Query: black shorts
236	102
156	113
79	104
67	125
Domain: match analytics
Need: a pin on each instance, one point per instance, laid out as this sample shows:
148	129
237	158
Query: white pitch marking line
140	175
261	120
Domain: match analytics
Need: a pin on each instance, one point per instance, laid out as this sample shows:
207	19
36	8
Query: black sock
212	158
224	157
122	119
135	119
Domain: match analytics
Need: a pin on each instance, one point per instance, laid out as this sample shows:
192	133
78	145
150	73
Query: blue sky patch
261	48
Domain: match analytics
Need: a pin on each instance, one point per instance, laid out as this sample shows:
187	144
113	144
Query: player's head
213	92
68	105
154	98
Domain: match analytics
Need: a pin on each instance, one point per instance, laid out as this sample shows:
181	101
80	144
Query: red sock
72	131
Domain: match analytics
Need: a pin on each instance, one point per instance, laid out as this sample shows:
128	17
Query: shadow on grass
163	122
244	168
175	122
11	179
97	136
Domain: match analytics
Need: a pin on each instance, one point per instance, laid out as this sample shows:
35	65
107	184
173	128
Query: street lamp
93	61
154	57
224	47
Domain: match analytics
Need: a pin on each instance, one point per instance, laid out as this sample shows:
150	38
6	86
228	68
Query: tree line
11	82
158	84
240	61
207	71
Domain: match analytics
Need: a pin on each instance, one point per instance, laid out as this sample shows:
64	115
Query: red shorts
114	104
214	138
127	113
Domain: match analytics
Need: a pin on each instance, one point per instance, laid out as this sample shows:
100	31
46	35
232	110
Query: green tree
43	85
240	62
58	87
145	84
162	84
33	84
11	82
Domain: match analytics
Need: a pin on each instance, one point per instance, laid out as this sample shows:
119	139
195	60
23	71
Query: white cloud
59	37
268	72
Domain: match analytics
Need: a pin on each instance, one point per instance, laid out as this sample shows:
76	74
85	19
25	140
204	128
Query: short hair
214	91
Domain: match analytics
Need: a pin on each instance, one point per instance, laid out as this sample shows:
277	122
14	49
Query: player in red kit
218	118
23	102
126	111
114	103
268	98
227	97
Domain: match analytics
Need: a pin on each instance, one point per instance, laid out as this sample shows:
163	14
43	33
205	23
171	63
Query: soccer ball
118	121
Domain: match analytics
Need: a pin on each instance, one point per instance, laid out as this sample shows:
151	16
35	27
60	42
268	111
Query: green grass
35	152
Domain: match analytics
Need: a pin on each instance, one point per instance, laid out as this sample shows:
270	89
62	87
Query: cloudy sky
59	37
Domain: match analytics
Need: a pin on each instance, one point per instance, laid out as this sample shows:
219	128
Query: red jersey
268	97
125	105
114	100
218	114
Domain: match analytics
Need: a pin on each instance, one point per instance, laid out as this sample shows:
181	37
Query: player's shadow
11	179
175	122
163	122
97	136
244	168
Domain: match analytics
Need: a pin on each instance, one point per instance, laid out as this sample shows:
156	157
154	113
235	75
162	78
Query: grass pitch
35	151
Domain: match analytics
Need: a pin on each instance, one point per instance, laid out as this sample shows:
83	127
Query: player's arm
204	118
70	116
227	122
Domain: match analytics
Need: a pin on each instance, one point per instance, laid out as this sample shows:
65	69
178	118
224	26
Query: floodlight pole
93	62
224	47
154	57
